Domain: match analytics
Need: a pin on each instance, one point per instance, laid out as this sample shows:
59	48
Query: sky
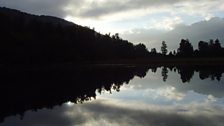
139	21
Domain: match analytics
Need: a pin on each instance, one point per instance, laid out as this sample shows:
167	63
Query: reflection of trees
164	73
186	73
34	88
215	73
154	69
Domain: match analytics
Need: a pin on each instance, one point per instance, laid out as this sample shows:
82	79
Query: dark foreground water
113	96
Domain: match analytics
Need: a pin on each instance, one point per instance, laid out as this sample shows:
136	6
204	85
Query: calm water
124	96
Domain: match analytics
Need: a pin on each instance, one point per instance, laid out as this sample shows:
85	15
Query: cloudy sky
145	21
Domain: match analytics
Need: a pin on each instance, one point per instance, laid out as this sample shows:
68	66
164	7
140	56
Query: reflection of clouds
154	81
44	117
201	113
165	94
171	93
107	111
211	98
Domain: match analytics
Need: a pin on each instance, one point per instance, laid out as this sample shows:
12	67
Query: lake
112	96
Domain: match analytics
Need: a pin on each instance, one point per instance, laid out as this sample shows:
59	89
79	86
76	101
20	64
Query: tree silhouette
164	73
217	44
185	48
170	54
174	52
186	73
203	48
164	48
153	51
213	48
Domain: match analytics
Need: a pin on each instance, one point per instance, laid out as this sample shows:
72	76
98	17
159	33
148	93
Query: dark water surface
112	96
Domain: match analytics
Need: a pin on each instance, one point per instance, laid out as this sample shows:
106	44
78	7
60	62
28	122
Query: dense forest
32	39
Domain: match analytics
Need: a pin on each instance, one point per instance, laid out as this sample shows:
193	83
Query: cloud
96	9
120	16
166	23
203	30
101	8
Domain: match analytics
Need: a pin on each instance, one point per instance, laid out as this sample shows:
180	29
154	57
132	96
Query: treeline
34	39
212	48
205	49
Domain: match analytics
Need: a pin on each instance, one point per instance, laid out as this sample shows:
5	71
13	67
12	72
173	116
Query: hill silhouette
33	39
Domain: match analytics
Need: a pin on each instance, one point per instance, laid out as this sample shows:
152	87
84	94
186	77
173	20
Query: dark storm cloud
39	7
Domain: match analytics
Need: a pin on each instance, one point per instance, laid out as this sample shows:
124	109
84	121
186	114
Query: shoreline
165	61
126	62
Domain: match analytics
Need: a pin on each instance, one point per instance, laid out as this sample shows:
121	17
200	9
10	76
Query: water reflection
158	96
35	88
